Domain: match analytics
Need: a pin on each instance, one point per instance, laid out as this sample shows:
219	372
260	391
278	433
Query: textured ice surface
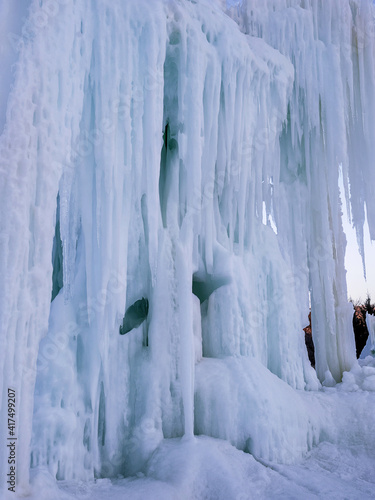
167	145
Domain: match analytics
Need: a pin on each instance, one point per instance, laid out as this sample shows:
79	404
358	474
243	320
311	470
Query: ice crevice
188	156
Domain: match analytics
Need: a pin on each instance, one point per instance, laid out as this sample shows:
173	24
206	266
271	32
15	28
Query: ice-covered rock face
331	46
178	144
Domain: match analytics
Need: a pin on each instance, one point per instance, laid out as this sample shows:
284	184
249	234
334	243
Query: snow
156	152
211	468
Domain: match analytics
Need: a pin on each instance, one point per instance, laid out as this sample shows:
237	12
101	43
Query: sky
357	286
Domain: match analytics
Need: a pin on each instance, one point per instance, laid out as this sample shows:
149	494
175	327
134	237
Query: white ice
153	147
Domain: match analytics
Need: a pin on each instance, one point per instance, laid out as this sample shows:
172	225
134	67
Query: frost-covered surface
152	151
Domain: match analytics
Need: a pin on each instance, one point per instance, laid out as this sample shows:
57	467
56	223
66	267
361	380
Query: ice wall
331	45
163	146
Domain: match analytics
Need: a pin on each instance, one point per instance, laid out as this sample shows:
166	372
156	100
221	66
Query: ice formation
152	149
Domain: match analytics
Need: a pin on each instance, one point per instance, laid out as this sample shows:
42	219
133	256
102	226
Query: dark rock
134	316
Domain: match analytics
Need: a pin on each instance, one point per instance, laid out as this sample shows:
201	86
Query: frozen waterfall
153	149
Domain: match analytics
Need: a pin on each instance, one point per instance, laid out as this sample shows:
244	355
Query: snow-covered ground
212	469
340	467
